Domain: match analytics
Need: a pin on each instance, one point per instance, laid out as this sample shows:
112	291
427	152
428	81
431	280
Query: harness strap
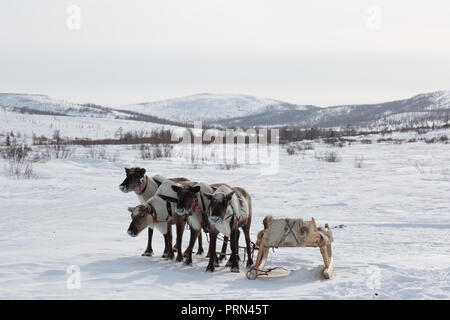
167	198
169	207
203	203
158	183
154	217
196	206
141	191
234	213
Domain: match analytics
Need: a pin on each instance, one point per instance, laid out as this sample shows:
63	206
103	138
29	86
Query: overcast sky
322	52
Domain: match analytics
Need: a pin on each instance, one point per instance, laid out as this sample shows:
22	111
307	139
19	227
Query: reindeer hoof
200	252
235	269
170	257
147	253
188	263
179	259
210	269
228	263
222	256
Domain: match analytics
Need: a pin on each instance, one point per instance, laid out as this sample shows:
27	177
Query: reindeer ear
175	187
127	170
208	195
230	196
130	209
141	171
195	189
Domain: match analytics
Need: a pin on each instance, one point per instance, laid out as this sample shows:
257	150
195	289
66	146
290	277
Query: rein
263	272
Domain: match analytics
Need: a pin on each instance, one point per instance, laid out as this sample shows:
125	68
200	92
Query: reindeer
193	204
229	209
145	187
157	212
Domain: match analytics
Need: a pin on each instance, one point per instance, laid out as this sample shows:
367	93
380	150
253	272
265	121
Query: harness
169	207
168	201
197	203
154	217
139	190
232	215
153	214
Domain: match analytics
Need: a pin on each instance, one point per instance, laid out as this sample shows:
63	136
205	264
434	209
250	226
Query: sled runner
292	233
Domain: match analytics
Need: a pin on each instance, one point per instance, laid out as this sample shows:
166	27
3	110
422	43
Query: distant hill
231	110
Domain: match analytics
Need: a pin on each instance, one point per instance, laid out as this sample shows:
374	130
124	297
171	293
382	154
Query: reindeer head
219	205
186	198
135	178
140	219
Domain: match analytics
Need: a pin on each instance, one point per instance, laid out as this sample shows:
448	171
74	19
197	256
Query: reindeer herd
216	208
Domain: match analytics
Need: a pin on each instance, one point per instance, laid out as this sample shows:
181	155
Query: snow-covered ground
393	243
71	126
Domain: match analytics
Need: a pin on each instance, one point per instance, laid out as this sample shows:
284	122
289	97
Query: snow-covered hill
423	107
43	104
211	107
41	115
243	111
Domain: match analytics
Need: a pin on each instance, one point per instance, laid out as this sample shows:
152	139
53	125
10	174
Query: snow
206	106
44	103
394	242
71	126
441	100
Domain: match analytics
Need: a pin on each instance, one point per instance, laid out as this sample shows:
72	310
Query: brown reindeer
229	209
158	212
193	204
145	187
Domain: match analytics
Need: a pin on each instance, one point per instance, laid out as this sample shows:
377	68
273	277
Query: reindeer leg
166	249
223	253
200	244
194	235
212	250
180	229
246	229
234	262
149	251
238	233
168	238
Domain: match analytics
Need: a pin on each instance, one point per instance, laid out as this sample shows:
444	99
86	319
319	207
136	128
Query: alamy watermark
73	21
374	277
74	279
230	147
373	21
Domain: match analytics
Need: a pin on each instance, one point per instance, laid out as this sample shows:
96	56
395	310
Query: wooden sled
292	233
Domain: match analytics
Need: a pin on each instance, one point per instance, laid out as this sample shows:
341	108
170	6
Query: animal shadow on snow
136	268
132	269
296	278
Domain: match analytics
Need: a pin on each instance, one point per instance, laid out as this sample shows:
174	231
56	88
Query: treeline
287	134
292	134
155	136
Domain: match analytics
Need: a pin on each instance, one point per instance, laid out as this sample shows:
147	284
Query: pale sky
322	52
